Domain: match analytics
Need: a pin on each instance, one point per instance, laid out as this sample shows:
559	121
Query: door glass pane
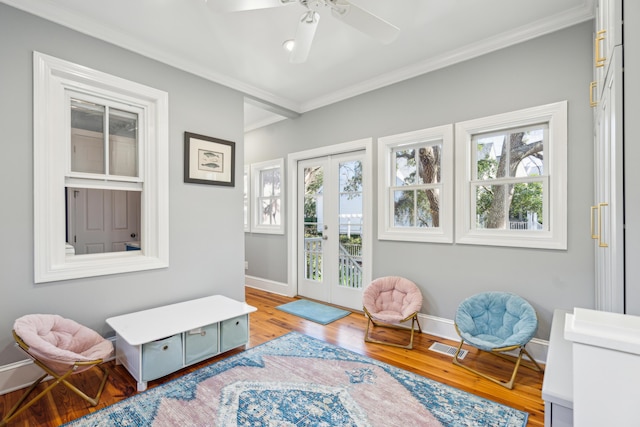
350	224
313	222
123	143
87	137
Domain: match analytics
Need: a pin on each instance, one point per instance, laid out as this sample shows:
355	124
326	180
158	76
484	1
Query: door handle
133	235
600	242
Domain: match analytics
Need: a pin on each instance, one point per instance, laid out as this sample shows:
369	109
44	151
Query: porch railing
349	262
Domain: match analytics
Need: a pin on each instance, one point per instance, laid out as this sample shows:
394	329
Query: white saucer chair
61	347
390	301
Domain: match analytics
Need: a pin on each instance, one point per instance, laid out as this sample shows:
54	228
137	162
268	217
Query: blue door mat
313	311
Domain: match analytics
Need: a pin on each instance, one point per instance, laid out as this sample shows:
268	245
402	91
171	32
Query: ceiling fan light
288	45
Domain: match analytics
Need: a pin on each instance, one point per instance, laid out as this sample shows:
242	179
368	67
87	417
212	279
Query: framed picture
209	160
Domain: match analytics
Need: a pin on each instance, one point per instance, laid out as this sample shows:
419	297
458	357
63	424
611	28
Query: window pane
514	153
513	207
490	206
102	220
429	164
427	208
270	182
87	137
527	148
270	211
404	208
525	210
123	143
489	152
405	167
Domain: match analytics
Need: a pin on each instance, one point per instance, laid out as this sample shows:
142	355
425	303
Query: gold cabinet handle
600	39
592	101
600	242
593	234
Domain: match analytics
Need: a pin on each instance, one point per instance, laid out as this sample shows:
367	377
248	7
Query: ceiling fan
343	10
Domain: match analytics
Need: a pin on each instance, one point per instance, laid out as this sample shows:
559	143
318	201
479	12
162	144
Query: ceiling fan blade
365	21
304	37
223	6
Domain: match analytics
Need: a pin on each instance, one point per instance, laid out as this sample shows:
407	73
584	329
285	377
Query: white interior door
330	229
102	220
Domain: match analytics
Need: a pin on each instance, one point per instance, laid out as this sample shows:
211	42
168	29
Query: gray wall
206	240
548	69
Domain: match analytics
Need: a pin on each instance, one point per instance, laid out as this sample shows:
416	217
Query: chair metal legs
500	353
414	321
18	408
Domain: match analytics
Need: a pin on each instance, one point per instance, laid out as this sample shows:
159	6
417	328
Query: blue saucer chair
497	322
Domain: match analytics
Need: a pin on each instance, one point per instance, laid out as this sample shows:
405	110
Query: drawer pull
237	322
164	348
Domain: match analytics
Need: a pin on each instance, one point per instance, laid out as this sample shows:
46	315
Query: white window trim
556	169
52	78
386	230
256	168
247	202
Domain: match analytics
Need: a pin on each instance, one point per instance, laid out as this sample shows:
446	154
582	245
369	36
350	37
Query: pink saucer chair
390	301
61	347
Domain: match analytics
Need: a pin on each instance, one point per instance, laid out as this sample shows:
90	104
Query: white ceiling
243	50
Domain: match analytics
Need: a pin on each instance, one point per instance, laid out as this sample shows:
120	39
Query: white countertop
614	331
156	323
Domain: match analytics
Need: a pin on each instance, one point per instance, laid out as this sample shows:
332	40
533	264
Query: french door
330	229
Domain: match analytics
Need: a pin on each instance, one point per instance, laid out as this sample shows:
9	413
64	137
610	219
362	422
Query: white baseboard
432	325
22	374
268	285
444	328
17	375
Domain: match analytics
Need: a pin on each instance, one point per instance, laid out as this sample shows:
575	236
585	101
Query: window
416	189
267	190
100	173
511	179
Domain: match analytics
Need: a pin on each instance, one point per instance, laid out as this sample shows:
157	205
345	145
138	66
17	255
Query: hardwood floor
61	405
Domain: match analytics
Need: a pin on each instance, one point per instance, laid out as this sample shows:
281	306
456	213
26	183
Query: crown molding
535	29
96	29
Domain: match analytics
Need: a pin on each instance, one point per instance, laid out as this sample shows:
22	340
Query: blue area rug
296	380
314	311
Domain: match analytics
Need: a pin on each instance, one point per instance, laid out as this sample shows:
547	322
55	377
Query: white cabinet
557	386
606	367
156	342
608	35
632	155
607	212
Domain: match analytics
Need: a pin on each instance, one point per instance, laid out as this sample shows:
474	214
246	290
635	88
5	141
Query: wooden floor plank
269	323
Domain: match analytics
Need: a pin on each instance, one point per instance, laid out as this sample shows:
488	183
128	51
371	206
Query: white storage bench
156	342
557	386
